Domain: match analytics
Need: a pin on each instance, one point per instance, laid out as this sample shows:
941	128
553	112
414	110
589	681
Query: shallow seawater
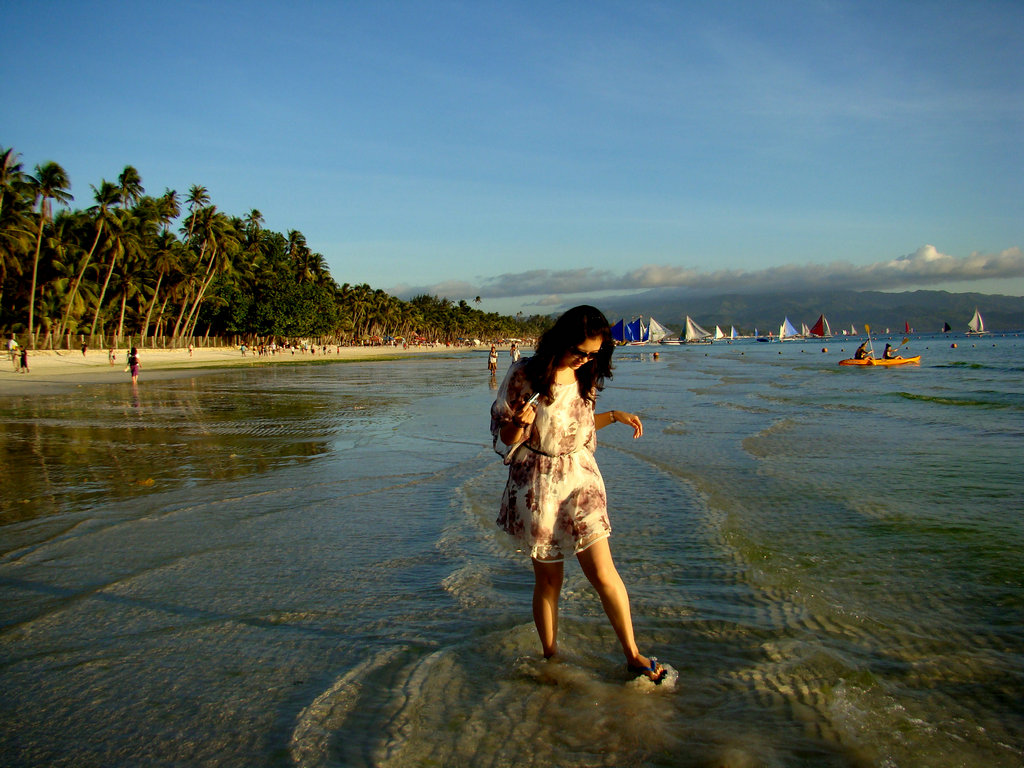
299	566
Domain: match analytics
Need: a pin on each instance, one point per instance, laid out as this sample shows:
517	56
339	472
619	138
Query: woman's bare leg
546	588
599	568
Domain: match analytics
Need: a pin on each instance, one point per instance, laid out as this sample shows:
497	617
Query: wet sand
52	372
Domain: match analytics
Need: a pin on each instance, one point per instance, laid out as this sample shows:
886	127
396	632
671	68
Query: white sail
694	332
977	324
657	331
719	334
804	330
732	332
787	330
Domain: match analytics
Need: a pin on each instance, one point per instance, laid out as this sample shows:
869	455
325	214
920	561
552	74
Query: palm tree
60	245
15	216
169	208
12	178
122	237
106	198
198	198
219	239
166	259
129	185
50	183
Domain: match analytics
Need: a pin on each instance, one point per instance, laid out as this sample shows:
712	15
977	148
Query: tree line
169	271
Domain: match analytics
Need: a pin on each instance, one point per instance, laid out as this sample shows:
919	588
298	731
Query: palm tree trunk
160	316
193	316
32	295
120	322
149	312
184	305
78	282
103	292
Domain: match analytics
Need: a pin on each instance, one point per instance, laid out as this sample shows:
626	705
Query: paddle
893	349
870	342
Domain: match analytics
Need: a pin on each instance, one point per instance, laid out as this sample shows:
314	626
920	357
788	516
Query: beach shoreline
56	372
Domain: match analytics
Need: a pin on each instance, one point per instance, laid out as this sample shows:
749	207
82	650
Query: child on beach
544	424
24	360
133	365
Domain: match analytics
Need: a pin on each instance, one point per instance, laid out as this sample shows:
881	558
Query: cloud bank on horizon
926	266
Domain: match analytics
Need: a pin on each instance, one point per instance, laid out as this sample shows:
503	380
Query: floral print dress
554	501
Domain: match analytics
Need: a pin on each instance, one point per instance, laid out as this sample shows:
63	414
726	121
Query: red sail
820	328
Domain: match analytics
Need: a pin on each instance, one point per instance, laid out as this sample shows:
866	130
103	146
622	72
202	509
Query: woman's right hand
526	414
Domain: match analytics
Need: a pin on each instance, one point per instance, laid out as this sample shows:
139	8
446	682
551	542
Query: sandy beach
53	372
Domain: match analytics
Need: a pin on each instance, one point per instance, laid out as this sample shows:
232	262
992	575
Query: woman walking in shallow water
554	501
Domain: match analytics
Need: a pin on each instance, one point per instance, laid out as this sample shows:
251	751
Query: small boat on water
637	333
788	331
871	361
695	334
977	325
821	328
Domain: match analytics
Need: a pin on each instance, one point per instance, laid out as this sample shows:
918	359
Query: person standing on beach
24	360
543	423
12	349
492	360
133	365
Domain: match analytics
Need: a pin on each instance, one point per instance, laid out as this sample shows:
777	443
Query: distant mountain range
926	311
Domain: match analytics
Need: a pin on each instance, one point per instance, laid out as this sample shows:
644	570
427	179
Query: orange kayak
873	361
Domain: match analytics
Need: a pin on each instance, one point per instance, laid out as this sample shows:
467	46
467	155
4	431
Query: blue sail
618	331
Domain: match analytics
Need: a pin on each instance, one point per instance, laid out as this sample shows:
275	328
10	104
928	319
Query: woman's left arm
602	420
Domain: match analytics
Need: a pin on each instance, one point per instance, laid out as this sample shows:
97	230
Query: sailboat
820	328
787	330
907	329
946	328
656	331
695	334
732	332
719	333
619	332
977	325
635	333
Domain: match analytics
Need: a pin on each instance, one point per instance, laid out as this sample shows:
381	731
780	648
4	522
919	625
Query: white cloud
925	266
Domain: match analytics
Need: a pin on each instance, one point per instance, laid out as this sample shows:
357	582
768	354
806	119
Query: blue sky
541	153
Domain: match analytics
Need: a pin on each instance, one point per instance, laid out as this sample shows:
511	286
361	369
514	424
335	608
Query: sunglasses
579	354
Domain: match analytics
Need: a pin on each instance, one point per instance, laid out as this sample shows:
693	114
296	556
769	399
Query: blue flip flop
639	670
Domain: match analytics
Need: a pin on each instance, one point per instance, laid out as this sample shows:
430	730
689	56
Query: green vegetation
117	273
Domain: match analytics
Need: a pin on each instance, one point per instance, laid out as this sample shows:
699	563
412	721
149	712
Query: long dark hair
570	330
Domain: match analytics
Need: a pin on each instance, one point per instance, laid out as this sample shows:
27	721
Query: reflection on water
113	442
